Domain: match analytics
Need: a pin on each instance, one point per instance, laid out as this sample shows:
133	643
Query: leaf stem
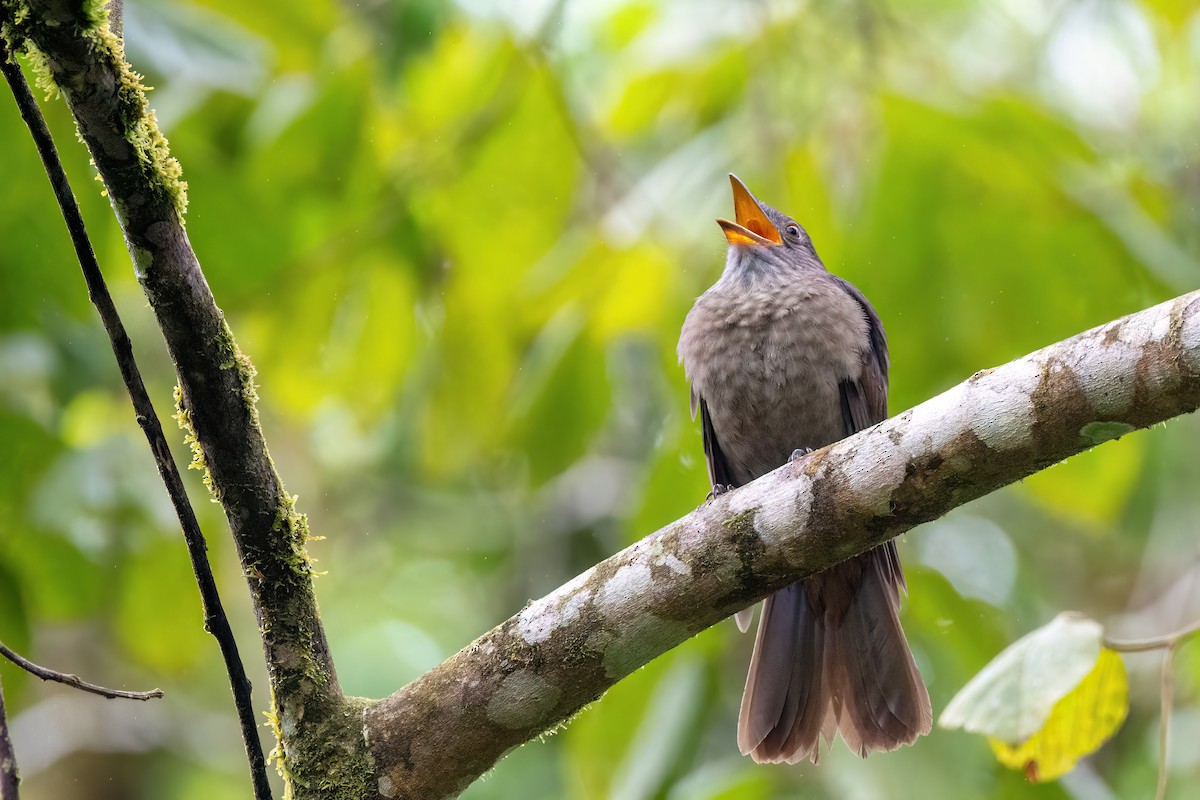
1165	698
1164	642
1167	643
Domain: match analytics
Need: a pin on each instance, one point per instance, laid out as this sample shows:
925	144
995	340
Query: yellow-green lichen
19	13
231	357
294	526
742	523
292	522
143	260
95	12
42	78
276	756
14	25
327	757
140	123
183	418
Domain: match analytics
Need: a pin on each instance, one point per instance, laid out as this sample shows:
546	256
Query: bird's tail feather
830	656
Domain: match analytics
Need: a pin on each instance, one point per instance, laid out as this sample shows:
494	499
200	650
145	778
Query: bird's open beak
752	226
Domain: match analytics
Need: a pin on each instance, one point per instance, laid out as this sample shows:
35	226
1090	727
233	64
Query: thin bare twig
1167	642
74	681
1154	643
215	620
1165	698
10	778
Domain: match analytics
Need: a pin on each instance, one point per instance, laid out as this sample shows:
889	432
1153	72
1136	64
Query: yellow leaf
1081	721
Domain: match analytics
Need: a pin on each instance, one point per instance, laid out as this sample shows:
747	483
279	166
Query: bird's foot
799	453
717	490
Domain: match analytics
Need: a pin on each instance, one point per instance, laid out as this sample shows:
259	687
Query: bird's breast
768	363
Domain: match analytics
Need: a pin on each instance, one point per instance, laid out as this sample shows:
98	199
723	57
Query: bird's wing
719	471
864	401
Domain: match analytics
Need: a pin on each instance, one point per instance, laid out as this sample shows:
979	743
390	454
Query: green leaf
1100	432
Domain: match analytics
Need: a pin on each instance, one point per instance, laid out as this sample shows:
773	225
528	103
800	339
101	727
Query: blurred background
458	241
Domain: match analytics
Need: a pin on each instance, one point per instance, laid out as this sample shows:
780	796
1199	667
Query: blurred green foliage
458	240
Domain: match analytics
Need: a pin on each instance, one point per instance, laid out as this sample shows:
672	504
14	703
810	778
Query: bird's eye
793	231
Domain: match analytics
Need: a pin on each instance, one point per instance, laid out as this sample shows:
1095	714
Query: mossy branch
73	48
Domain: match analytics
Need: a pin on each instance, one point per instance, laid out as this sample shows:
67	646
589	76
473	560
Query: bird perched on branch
784	357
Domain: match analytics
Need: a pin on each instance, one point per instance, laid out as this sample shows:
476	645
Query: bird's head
762	240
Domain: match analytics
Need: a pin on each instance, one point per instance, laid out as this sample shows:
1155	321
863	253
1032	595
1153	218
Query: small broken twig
73	681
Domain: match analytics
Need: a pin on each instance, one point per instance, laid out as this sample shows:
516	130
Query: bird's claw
799	453
717	490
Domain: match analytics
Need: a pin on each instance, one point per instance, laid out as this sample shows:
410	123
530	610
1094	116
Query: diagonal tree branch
443	730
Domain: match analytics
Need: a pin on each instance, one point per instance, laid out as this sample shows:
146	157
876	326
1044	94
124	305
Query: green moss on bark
742	523
183	418
232	357
327	755
138	121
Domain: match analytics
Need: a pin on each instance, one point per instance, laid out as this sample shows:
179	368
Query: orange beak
752	226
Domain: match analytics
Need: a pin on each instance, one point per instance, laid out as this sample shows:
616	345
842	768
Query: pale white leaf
1013	695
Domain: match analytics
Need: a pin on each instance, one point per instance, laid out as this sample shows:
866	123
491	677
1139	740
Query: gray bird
783	357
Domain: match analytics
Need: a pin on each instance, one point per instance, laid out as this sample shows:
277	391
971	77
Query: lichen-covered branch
443	730
73	46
